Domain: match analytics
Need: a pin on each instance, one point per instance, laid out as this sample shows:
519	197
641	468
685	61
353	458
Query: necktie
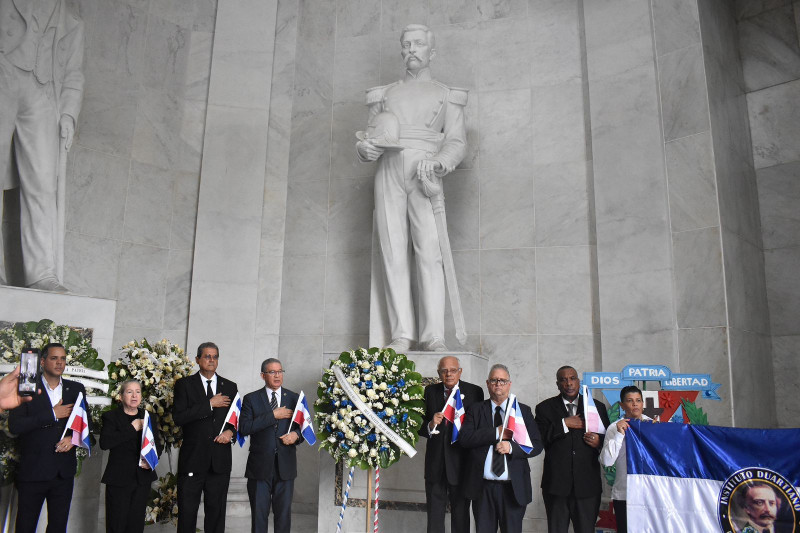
571	409
209	392
447	394
273	402
498	462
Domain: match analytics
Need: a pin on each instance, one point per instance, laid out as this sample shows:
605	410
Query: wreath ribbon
370	415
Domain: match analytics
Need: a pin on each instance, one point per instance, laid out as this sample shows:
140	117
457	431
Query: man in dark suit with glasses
204	463
272	462
445	460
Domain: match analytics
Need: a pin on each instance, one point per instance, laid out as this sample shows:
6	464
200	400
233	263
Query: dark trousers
125	507
498	507
437	494
214	488
581	511
32	494
621	513
275	493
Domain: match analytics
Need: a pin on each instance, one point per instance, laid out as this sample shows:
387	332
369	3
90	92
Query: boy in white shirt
613	452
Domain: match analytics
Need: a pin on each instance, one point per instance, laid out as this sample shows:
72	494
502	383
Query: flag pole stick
369	497
435	431
228	414
296	407
78	402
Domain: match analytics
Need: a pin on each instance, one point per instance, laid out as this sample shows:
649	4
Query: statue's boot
48	284
399	345
434	345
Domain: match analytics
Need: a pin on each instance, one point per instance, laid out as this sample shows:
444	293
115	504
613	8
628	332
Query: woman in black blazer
127	476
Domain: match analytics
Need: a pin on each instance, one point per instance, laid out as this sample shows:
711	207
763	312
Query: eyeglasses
501	382
210	357
446	371
274	372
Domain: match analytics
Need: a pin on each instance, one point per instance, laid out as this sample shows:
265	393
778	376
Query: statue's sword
437	203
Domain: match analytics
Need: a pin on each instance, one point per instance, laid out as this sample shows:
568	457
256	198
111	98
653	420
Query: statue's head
417	46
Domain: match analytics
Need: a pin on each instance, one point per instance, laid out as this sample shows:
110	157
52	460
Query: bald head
449	370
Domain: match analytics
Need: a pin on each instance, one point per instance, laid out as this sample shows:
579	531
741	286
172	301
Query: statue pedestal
402	498
23	305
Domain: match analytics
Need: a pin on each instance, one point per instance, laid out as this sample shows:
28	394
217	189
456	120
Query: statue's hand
67	130
368	151
426	173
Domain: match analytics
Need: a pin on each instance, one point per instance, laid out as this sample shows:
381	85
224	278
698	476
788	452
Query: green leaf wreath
389	385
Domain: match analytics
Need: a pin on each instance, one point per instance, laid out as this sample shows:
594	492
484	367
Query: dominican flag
707	478
149	452
78	422
232	418
590	413
454	412
302	417
516	424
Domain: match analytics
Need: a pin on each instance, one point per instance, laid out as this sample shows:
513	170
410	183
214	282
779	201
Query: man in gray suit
272	462
41	88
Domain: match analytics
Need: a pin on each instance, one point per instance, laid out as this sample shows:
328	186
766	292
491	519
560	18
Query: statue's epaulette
375	94
458	96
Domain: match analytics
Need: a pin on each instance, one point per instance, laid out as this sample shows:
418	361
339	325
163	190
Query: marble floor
301	523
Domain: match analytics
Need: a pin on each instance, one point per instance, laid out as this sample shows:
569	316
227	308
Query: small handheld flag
149	452
232	418
302	417
593	422
454	412
516	424
78	422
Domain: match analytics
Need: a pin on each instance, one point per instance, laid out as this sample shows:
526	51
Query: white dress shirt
278	394
487	464
54	394
613	453
567	403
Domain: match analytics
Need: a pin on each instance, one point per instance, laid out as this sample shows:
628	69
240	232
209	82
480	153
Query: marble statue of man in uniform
420	136
41	88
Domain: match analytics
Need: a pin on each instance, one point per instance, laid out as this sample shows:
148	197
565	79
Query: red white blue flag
234	413
78	422
591	414
302	417
149	452
516	424
454	412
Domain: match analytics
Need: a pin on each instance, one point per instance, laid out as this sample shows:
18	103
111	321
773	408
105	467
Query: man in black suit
571	484
272	462
499	475
204	463
48	464
445	462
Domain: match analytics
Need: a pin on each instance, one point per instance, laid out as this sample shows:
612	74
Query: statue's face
416	50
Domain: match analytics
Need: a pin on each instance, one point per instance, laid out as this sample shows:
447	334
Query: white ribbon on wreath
370	415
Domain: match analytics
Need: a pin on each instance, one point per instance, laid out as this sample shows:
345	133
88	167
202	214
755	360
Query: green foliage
695	414
610	473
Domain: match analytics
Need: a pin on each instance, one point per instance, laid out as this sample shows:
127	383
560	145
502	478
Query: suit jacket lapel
200	383
439	396
487	412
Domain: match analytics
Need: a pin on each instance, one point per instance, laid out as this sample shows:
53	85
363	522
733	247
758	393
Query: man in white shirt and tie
499	478
204	463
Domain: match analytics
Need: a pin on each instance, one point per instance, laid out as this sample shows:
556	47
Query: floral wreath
388	384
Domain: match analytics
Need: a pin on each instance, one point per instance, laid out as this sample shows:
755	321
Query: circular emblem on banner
758	500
